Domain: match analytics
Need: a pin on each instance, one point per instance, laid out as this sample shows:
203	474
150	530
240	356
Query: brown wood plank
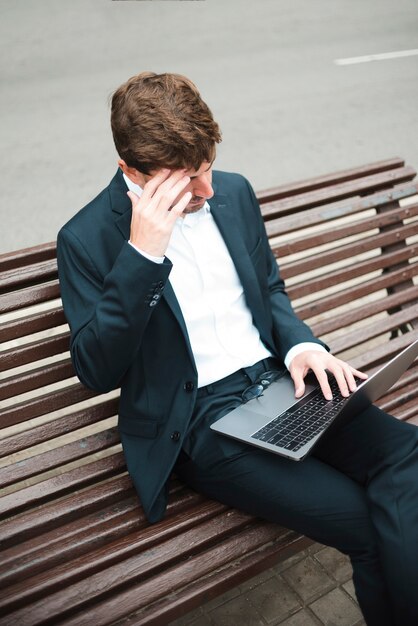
325	214
310	184
201	590
365	310
56	457
374	329
34	351
224	530
85	534
349	250
28	276
60	485
397	399
25	256
335	233
44	404
31	324
24	526
29	296
382	353
360	268
327	303
340	191
36	378
58	427
141	542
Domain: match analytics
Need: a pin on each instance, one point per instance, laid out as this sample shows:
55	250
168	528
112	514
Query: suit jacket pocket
138	427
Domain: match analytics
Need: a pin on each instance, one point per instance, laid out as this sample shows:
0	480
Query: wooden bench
75	546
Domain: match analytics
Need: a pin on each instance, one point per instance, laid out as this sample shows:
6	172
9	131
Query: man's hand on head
319	363
154	213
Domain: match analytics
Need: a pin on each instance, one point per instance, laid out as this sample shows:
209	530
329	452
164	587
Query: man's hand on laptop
319	363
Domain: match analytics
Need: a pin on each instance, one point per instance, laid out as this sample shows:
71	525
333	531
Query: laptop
278	422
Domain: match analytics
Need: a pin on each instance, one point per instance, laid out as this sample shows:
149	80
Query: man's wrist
150	257
301	347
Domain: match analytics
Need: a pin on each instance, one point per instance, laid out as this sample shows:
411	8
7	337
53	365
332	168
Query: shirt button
175	436
189	386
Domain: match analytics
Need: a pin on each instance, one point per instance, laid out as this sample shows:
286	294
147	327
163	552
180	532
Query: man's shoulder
225	182
99	210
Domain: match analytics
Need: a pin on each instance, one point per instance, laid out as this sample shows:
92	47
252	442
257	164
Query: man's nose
202	187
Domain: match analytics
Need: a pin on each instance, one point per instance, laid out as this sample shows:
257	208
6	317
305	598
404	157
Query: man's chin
193	208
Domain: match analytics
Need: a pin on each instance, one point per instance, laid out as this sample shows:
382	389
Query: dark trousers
357	492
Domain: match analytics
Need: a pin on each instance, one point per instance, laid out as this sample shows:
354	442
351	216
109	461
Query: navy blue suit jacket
127	329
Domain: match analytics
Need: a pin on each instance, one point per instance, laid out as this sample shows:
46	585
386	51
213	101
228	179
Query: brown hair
160	120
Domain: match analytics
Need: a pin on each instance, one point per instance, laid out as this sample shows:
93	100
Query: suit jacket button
175	436
189	386
160	285
153	303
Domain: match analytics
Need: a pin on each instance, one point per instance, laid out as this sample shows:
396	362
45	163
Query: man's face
200	187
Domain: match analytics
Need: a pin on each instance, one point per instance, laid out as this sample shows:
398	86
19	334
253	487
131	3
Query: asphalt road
267	69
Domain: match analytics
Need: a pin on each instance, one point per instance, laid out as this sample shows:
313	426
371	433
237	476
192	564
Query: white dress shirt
211	297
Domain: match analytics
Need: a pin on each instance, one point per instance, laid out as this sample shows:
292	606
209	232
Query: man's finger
154	183
298	381
133	198
178	208
322	378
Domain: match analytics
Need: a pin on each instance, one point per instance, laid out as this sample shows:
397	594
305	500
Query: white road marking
383	56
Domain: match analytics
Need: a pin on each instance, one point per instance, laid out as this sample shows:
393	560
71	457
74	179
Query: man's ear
132	173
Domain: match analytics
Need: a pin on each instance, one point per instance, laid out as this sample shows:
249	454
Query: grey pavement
266	68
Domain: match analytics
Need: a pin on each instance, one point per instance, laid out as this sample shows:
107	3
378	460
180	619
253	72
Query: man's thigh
309	496
366	444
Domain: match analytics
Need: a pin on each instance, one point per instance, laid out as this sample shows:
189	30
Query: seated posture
173	294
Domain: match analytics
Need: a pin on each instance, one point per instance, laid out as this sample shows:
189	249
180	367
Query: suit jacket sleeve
288	330
107	314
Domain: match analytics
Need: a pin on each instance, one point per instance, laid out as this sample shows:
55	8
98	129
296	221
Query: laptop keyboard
302	421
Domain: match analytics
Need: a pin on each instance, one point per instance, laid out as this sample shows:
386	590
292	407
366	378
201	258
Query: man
173	295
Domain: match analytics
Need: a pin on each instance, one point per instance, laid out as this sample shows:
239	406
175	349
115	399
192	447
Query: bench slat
58	427
31	324
327	213
34	521
36	378
350	294
61	484
374	329
89	533
310	184
366	310
383	352
196	592
46	403
380	220
27	256
58	456
361	268
349	250
29	275
225	529
146	545
29	297
340	191
34	351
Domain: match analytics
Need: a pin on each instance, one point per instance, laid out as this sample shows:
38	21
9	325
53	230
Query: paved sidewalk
312	588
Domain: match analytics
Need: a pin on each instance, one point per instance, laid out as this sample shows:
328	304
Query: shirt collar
188	220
